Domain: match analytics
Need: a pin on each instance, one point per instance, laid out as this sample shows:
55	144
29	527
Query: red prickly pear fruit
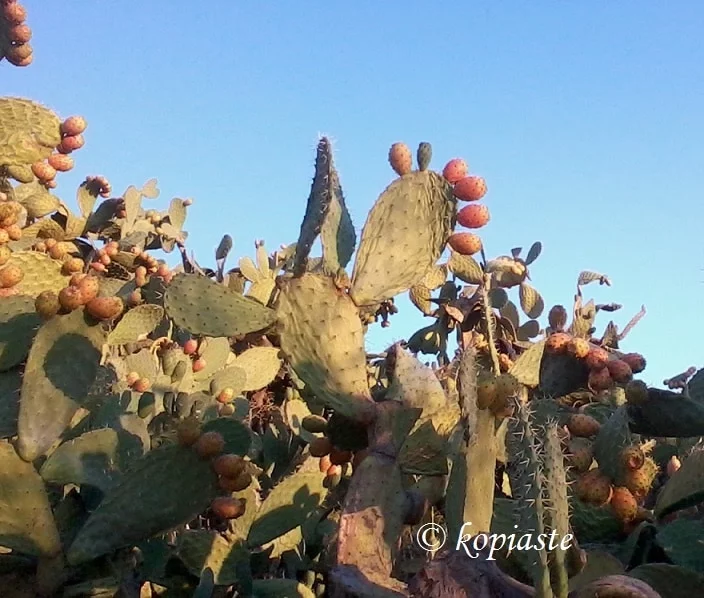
20	34
70	144
635	361
237	484
188	431
209	444
229	466
14	13
44	171
190	346
73	125
61	162
600	380
470	188
578	347
594	488
465	243
636	392
226	507
70	298
401	158
597	358
473	216
142	385
620	371
199	364
338	457
89	288
624	504
557	342
132	378
583	426
324	463
319	447
105	308
455	170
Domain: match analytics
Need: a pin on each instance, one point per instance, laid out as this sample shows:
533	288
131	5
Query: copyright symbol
431	537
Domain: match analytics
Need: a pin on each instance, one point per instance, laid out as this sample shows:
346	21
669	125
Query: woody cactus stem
489	324
525	475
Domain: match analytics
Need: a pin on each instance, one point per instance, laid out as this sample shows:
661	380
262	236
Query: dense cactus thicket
214	430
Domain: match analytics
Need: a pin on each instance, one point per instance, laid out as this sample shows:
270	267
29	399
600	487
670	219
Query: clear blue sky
585	118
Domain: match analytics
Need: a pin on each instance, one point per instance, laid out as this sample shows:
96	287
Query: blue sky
585	118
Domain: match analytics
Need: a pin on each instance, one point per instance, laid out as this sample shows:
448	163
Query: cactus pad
205	307
41	273
28	131
685	488
18	324
404	235
200	550
261	365
136	324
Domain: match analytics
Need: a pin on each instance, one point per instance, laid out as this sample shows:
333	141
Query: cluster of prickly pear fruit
15	34
72	130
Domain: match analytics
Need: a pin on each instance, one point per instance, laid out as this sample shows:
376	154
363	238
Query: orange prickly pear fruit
455	170
401	158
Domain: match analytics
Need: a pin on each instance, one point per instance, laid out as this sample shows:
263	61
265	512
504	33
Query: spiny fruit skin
209	444
580	454
70	298
465	243
89	286
61	162
507	385
47	304
470	188
557	318
226	507
401	158
632	457
594	488
487	392
20	34
70	144
10	276
597	358
228	466
620	371
600	380
635	361
583	426
578	347
5	254
319	447
473	216
73	125
636	392
624	504
640	481
455	170
14	13
105	308
557	342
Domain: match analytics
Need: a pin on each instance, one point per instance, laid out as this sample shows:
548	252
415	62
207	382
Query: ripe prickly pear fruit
582	425
14	13
324	463
319	447
620	371
5	254
47	304
20	34
455	170
578	347
594	488
424	154
241	482
142	385
640	481
473	216
600	380
199	365
400	158
470	188
105	308
10	276
580	454
228	466
70	144
632	457
338	457
209	444
89	286
44	171
73	125
188	431
636	392
226	507
61	162
226	395
673	465
597	358
557	342
314	424
624	504
465	243
70	298
635	361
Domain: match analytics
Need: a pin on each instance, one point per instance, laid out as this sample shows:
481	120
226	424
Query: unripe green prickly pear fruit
424	155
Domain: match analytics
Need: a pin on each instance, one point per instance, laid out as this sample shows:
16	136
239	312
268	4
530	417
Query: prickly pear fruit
142	385
620	371
190	346
578	347
10	275
507	385
465	243
635	361
401	158
324	463
473	216
73	125
557	318
241	482
320	447
226	395
580	454
640	481
89	287
188	431
60	162
624	504
44	171
583	426
209	444
47	304
424	154
594	488
600	380
199	364
228	466
314	424
673	465
557	342
597	358
14	12
226	507
105	308
632	457
338	457
70	144
487	392
470	188
455	170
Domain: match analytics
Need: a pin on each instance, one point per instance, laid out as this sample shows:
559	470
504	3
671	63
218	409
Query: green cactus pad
231	377
41	273
261	364
685	488
290	503
296	411
561	374
466	268
667	414
28	131
531	301
526	369
61	367
415	384
682	542
36	199
404	235
670	581
594	524
238	437
167	487
424	452
10	385
322	335
614	436
136	324
695	386
200	550
18	325
215	352
26	521
420	297
95	458
204	307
